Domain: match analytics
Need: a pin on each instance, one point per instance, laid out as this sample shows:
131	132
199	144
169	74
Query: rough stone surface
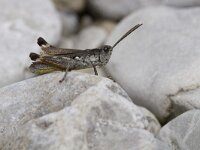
85	111
182	133
21	23
117	9
158	65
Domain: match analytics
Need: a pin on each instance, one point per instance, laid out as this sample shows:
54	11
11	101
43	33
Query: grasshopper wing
51	50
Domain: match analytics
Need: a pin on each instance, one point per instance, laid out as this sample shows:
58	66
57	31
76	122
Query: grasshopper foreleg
95	69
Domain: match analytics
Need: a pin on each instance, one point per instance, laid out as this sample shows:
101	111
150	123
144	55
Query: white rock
182	132
91	37
182	3
117	9
85	111
158	65
21	23
88	38
85	21
69	22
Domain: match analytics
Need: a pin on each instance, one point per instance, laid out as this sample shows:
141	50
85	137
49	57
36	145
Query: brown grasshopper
58	59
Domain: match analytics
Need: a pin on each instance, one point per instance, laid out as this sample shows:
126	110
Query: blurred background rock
158	66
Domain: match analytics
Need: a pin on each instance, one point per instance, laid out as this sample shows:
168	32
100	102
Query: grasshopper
58	59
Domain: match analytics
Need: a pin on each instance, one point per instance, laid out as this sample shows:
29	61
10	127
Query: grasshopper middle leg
65	75
95	69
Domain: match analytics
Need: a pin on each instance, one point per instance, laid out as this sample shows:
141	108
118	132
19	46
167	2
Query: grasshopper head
106	49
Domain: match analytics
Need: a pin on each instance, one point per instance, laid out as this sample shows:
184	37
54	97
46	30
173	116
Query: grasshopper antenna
127	33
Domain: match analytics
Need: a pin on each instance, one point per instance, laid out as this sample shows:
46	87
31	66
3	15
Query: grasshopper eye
106	48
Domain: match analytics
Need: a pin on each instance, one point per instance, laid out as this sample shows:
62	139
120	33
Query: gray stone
69	23
182	133
158	65
85	21
73	5
67	42
89	37
182	3
108	25
83	112
21	23
117	9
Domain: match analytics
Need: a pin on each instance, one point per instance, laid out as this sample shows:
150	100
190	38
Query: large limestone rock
83	112
117	9
158	65
182	133
21	23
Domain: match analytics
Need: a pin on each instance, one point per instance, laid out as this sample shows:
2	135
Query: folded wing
51	50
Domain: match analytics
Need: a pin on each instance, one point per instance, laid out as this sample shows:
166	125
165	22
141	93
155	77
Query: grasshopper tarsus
60	81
